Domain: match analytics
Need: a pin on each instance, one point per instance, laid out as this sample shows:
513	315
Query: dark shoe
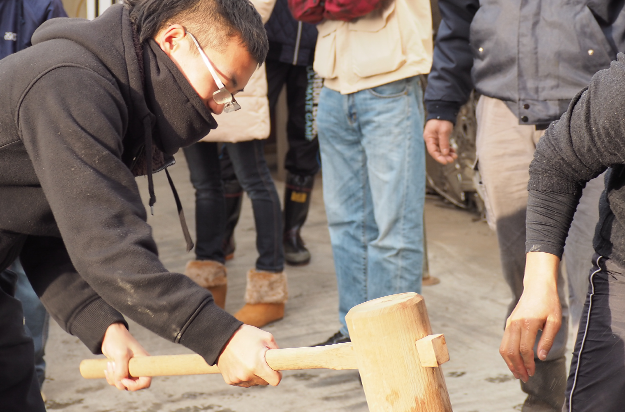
296	205
295	253
545	390
234	198
338	337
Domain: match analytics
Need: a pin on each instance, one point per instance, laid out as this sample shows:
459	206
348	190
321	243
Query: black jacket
290	41
78	111
536	55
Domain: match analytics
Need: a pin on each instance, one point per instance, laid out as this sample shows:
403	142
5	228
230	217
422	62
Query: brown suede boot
210	275
265	296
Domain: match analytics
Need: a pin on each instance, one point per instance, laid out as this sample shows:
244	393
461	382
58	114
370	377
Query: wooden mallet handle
337	357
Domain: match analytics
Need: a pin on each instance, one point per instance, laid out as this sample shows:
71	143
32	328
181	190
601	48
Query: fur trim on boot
266	287
265	296
210	275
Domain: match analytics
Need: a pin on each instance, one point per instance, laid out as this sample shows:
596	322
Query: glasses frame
221	95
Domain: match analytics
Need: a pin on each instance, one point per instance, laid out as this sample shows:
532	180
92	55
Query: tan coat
375	50
252	121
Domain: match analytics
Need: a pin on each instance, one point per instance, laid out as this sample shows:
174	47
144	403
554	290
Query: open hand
538	309
436	135
120	346
242	362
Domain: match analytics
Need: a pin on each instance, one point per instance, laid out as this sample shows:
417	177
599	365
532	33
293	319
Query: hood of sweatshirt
165	112
161	101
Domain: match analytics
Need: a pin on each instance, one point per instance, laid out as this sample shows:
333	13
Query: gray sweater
588	139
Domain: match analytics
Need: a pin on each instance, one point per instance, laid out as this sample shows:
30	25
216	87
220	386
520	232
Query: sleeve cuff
209	332
553	249
90	324
441	110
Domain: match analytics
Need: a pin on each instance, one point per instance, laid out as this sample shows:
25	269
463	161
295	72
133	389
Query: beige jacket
376	49
252	121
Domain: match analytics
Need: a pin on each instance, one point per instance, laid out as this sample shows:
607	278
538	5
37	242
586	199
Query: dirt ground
468	306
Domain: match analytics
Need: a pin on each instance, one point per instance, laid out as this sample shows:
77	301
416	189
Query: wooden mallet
392	347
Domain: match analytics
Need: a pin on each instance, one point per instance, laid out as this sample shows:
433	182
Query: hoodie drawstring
183	221
147	125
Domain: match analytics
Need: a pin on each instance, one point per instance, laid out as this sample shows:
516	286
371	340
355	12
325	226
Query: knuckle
525	350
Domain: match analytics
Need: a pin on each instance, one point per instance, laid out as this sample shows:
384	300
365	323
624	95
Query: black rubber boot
234	198
296	204
545	390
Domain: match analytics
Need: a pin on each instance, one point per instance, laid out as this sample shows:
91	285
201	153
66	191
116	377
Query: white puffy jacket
252	121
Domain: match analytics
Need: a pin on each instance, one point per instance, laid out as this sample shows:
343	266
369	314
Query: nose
215	107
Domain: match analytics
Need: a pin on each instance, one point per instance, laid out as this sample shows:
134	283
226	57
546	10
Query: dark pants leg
210	208
597	376
19	389
250	167
302	87
37	319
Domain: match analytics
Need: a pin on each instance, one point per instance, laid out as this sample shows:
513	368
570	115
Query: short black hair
212	22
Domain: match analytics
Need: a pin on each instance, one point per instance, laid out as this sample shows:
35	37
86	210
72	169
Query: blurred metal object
427	279
455	181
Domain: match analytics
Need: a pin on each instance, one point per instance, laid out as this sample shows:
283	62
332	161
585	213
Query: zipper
297	41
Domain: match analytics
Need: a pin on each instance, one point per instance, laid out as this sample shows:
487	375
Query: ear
169	38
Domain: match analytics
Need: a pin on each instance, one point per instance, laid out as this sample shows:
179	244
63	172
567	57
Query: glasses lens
222	96
232	107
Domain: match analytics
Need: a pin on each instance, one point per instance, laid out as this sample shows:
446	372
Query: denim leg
36	317
19	389
346	195
391	122
210	207
250	167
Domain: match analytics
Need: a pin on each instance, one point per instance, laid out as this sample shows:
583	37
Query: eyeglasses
222	95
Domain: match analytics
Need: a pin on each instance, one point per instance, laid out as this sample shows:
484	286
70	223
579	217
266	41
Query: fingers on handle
270	376
136	384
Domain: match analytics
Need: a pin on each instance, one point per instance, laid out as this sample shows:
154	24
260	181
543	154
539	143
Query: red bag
314	11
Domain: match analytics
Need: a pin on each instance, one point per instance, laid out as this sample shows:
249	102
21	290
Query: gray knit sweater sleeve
588	138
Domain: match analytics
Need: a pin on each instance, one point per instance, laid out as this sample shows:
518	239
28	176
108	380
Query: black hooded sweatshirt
78	112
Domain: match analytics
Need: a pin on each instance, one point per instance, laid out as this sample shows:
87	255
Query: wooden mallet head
392	341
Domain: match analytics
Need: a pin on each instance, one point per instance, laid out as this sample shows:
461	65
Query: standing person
289	62
370	123
244	132
84	110
588	139
18	21
527	61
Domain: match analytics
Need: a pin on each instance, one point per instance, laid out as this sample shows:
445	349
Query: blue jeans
36	317
373	160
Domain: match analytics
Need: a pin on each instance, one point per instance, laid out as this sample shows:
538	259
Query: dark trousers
210	207
251	170
19	389
302	93
597	376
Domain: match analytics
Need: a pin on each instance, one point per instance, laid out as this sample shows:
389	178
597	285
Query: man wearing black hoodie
88	107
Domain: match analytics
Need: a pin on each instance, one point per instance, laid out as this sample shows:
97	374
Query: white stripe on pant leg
581	348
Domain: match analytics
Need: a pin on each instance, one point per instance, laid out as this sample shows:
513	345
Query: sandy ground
468	306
